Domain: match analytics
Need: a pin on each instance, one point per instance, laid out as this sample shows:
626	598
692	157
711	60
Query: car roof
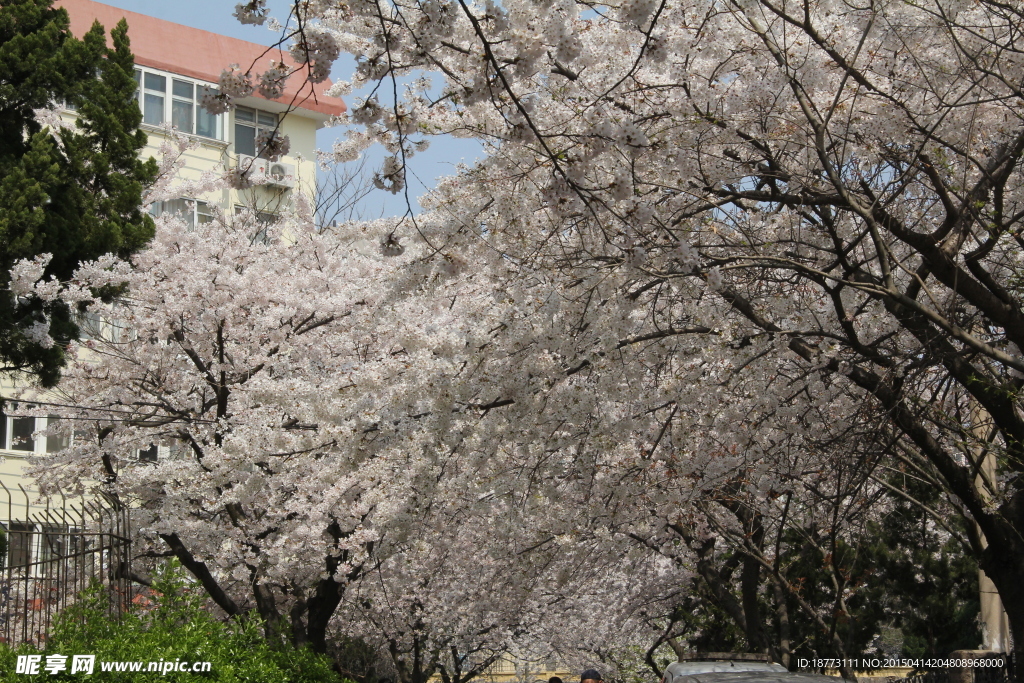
729	666
752	677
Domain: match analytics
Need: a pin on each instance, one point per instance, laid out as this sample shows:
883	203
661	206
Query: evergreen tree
928	580
72	192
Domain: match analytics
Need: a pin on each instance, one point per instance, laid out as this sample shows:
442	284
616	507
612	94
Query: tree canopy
752	223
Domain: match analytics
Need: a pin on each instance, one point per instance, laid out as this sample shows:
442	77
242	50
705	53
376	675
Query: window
97	326
248	124
263	221
156	452
153	98
55	542
166	97
21	429
194	211
36	544
55	442
17	434
90	324
19	544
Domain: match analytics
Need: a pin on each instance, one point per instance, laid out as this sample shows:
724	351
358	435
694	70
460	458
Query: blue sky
216	15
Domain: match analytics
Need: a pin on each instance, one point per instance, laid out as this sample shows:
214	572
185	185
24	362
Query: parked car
714	667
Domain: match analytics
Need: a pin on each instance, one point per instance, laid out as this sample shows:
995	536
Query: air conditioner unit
252	165
280	173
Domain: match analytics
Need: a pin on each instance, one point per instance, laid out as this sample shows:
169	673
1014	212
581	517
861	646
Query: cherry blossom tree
236	356
289	417
715	210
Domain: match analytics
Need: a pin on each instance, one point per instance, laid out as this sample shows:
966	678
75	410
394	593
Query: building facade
175	64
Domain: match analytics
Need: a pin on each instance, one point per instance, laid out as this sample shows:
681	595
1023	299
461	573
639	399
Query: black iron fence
54	552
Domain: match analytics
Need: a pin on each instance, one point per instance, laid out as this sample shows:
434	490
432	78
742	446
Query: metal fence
53	553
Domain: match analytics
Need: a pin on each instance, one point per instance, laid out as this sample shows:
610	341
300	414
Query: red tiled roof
200	54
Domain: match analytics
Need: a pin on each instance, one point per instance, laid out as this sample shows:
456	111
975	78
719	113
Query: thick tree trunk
320	608
750	583
1002	557
1006	569
782	611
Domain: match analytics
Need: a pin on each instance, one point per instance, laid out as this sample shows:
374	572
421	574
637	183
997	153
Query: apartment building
174	65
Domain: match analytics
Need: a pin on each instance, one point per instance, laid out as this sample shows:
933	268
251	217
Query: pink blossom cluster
252	12
317	49
272	81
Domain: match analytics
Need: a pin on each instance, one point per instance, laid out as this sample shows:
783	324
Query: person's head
590	676
554	679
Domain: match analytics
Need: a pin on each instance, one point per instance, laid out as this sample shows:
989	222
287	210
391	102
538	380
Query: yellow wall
301	131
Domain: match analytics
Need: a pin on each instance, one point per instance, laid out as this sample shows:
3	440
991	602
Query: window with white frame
90	324
193	211
165	97
98	326
30	542
156	452
150	454
248	125
58	540
17	434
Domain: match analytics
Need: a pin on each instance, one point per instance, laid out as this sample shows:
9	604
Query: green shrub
173	626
